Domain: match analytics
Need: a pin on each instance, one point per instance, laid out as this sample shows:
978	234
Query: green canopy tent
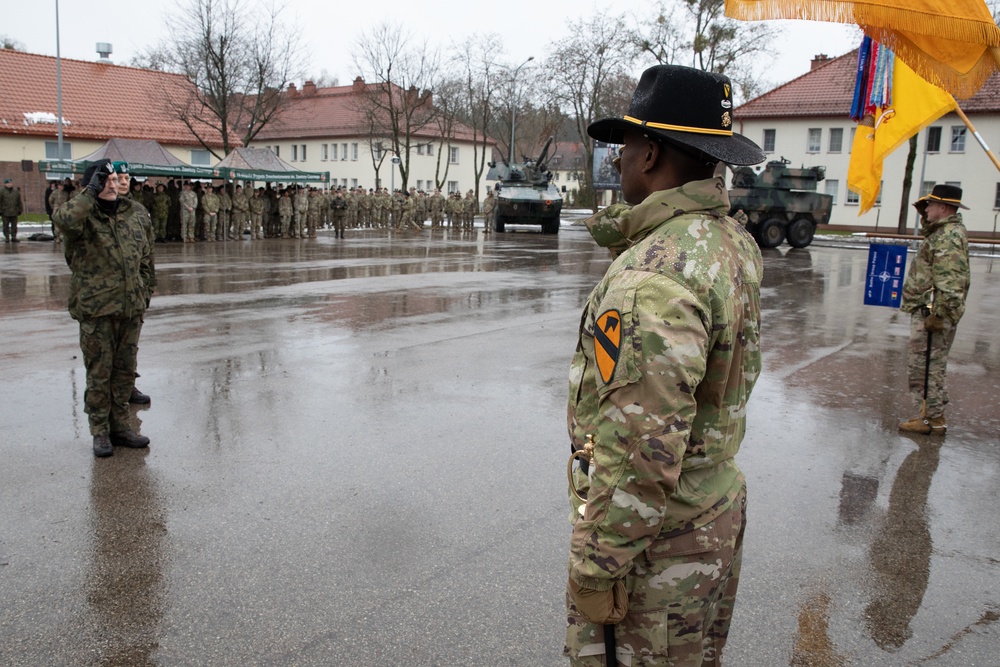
144	156
261	164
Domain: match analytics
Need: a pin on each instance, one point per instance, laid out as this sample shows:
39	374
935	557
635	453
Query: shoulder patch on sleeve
607	339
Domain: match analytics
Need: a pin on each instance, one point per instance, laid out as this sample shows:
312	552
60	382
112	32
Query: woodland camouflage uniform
110	256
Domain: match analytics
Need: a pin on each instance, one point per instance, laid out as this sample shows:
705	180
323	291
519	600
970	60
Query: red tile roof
333	112
828	90
100	101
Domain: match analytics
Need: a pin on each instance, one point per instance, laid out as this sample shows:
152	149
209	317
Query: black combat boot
129	439
102	446
138	398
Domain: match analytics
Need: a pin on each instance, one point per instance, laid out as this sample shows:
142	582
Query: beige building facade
806	122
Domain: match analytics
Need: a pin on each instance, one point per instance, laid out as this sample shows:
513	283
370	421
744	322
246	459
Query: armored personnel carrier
525	193
781	203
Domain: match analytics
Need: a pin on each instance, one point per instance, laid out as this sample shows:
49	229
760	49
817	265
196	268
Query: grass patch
33	217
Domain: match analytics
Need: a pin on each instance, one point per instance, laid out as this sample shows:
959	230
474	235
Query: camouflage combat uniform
937	283
160	211
241	213
189	204
11	207
668	354
489	206
301	205
210	204
57	198
258	209
110	256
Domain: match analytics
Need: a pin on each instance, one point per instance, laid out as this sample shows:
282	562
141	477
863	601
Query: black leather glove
100	177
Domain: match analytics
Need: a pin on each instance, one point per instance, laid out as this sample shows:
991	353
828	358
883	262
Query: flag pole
979	138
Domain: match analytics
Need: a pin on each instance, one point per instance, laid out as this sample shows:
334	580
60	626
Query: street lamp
513	107
392	171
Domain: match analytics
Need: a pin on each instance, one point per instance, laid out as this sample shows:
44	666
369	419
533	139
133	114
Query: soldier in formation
225	212
489	207
241	212
160	212
934	295
259	207
338	211
188	205
667	355
469	206
316	204
301	204
211	203
285	210
437	206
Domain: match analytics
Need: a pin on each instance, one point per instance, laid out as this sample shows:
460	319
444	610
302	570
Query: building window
333	151
324	151
996	199
420	151
354	182
52	150
815	140
769	136
376	153
295	152
836	139
430	149
854	130
302	153
933	139
926	187
343	181
957	139
832	185
453	154
852	198
276	150
354	152
343	153
202	158
452	186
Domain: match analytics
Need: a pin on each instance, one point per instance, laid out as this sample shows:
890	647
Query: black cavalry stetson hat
684	106
946	194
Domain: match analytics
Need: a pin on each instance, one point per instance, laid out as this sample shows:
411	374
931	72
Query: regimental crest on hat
680	105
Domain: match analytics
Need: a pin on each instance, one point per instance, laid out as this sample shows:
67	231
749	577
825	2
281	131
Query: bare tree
397	102
236	57
448	105
697	33
479	58
11	44
582	66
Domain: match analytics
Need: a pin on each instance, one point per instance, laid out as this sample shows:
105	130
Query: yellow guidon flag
607	339
915	105
952	43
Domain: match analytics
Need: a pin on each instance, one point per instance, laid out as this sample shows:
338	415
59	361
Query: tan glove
601	607
934	324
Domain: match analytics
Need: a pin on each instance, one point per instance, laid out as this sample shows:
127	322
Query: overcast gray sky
526	27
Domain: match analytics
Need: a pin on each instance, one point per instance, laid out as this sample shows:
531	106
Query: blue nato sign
884	280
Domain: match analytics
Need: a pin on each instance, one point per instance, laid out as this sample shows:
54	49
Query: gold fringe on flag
952	43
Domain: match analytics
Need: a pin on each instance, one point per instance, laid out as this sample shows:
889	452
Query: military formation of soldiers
191	211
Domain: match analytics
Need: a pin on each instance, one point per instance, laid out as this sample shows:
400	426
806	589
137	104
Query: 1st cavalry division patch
607	338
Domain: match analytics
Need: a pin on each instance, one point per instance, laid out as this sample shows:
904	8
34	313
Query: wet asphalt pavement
359	450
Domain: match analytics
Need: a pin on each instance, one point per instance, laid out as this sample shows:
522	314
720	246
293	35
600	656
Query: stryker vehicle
781	203
525	193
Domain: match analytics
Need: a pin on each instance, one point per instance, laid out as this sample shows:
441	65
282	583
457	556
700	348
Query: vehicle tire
499	225
550	226
801	232
771	233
